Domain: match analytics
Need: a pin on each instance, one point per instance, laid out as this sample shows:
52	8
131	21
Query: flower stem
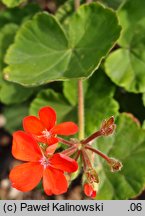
98	152
65	141
76	4
92	137
80	96
77	155
88	1
69	151
80	109
86	160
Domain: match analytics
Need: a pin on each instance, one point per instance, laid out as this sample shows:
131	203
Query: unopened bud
115	165
92	176
108	127
89	190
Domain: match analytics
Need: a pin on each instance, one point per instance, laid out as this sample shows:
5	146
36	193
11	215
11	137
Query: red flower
25	177
44	129
89	190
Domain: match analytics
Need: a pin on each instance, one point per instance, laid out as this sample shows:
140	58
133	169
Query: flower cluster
36	146
84	149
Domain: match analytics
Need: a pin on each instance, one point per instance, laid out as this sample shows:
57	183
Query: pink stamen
46	134
44	162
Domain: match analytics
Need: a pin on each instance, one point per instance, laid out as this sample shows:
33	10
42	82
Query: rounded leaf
43	52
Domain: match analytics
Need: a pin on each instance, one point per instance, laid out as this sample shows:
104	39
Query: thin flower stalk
98	152
86	160
92	137
70	151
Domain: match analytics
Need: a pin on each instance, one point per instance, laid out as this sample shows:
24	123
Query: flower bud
115	165
108	126
89	190
92	176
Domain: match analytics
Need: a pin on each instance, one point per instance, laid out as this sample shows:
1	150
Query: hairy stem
80	109
80	96
98	152
77	155
70	151
66	142
76	4
86	160
89	1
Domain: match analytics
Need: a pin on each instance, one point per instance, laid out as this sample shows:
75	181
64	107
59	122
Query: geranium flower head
50	167
44	128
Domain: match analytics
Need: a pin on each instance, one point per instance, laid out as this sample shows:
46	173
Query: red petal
89	191
32	125
25	147
94	194
48	117
64	163
27	176
51	149
66	128
54	181
52	141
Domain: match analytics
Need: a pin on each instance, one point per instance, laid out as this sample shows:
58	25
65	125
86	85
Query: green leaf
143	125
113	3
127	145
65	11
18	15
43	52
49	97
10	93
68	8
13	3
131	17
14	116
7	34
126	66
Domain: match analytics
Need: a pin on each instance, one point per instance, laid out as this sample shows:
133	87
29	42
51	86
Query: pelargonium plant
85	61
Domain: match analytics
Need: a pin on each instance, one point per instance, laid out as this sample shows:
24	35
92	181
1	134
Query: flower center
44	162
46	133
